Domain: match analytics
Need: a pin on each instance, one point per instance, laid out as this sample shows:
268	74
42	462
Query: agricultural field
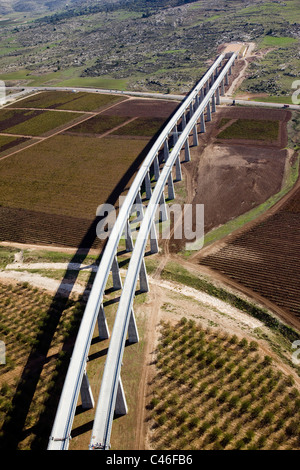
66	100
264	258
72	159
32	122
240	164
38	330
215	391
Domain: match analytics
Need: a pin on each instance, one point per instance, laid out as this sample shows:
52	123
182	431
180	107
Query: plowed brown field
49	192
266	257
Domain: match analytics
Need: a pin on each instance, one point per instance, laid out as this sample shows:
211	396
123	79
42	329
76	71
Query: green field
252	129
73	101
37	125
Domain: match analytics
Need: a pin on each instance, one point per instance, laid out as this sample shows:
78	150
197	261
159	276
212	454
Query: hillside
146	46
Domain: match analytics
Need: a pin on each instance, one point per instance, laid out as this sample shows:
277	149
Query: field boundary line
61	130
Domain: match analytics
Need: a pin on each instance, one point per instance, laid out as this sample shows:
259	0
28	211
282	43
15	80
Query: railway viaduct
190	118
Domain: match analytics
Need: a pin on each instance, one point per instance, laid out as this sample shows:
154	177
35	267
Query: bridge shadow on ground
16	429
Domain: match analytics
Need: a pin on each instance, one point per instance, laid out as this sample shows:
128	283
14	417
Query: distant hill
29	6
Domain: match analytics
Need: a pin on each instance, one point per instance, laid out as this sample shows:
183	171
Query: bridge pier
133	335
128	237
213	104
178	169
156	168
121	407
171	192
102	324
144	286
208	116
117	282
183	122
163	216
166	150
187	151
202	123
87	398
222	88
138	207
195	136
148	186
217	96
153	239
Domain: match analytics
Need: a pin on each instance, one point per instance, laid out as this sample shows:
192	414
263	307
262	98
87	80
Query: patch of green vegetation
95	82
42	123
274	99
272	41
71	101
251	129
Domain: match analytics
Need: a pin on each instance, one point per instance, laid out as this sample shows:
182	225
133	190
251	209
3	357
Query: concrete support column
139	207
175	135
163	216
121	405
133	335
166	150
183	122
208	112
196	103
178	168
117	282
128	237
217	96
144	286
201	95
191	111
171	192
153	239
195	135
187	154
202	123
102	324
229	71
87	398
226	79
148	186
222	88
156	168
213	104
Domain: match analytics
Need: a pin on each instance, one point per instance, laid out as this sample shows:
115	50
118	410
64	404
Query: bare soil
232	176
